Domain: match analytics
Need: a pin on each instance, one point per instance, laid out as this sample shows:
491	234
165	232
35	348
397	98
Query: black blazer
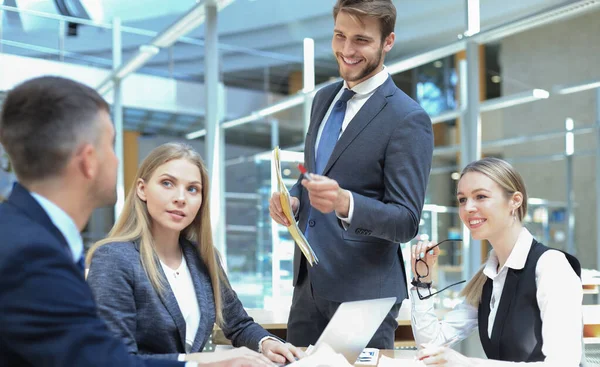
47	311
384	158
153	325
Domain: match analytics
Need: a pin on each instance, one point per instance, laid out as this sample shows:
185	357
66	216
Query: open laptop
353	325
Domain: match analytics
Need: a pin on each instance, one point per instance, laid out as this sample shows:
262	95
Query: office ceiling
260	40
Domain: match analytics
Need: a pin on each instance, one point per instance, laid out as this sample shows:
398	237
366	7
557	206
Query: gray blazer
383	158
152	325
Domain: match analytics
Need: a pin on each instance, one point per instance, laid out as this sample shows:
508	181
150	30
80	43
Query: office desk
275	321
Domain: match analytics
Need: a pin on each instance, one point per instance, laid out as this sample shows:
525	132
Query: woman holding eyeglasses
526	299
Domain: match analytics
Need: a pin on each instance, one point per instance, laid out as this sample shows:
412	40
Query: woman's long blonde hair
135	223
502	173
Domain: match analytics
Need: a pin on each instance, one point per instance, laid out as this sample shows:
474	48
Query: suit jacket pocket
352	236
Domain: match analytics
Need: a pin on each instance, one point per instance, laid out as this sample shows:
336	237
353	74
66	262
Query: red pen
304	172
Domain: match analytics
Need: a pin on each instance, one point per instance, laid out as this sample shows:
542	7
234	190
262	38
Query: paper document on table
391	362
296	233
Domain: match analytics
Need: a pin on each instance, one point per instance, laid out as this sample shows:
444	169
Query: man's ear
88	161
388	42
140	189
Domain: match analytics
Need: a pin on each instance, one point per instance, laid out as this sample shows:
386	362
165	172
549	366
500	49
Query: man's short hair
44	120
383	10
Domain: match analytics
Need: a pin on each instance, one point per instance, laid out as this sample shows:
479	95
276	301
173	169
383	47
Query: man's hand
277	212
279	352
326	195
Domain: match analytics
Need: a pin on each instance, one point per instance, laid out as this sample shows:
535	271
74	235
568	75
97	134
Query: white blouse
181	283
559	296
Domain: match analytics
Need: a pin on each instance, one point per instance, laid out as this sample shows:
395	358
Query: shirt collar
517	258
64	223
368	86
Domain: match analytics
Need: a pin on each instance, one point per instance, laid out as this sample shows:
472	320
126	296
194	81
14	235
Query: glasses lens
422	271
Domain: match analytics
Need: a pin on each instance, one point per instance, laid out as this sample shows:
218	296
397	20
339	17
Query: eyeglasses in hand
421	286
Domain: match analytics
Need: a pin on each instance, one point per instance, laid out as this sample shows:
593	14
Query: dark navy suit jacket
47	311
384	158
150	324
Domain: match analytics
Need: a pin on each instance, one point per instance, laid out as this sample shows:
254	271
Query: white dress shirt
182	286
364	90
559	296
65	225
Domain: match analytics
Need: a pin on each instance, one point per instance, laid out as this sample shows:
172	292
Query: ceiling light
438	64
455	176
496	79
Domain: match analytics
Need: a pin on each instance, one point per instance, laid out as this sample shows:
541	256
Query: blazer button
311	223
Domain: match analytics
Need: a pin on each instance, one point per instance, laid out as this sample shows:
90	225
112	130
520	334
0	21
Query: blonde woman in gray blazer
157	278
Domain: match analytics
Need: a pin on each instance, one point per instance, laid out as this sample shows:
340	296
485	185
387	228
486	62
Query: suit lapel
203	289
508	294
315	123
22	199
363	118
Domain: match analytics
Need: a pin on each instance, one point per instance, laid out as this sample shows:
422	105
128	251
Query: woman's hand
422	251
243	353
278	352
433	355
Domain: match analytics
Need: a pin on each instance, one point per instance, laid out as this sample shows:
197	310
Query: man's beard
366	71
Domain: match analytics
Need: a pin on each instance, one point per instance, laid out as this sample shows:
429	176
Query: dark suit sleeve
296	190
112	282
238	326
48	315
406	172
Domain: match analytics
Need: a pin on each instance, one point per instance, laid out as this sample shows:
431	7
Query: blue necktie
329	137
331	131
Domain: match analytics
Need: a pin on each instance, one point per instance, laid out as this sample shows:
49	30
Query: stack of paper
287	210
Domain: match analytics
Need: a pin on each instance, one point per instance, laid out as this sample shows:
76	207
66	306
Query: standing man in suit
370	147
59	137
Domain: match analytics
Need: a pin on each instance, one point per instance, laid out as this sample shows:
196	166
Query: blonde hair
135	223
511	182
